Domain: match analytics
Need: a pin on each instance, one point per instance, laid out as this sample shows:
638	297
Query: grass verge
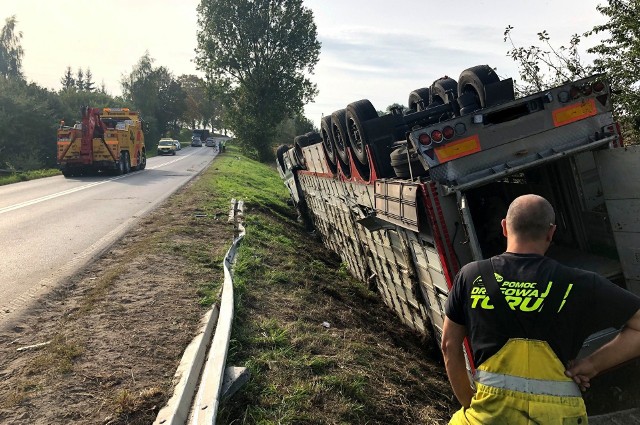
321	347
27	175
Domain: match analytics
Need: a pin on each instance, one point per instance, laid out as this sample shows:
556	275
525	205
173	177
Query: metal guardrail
210	388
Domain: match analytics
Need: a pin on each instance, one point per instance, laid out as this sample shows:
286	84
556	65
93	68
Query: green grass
28	175
286	285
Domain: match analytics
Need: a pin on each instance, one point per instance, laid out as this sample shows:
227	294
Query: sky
374	49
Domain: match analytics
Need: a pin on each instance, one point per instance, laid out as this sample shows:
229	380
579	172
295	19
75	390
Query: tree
396	106
10	49
28	121
257	54
195	90
546	66
67	79
619	54
80	79
89	85
289	128
156	94
171	100
202	109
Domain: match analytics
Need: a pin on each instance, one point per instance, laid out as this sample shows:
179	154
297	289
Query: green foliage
89	85
72	100
67	80
28	121
156	94
292	127
393	106
257	54
546	66
618	54
11	51
80	79
201	108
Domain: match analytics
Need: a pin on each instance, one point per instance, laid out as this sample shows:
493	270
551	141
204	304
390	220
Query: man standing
526	316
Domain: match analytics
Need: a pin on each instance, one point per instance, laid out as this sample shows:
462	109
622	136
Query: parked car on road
177	143
166	147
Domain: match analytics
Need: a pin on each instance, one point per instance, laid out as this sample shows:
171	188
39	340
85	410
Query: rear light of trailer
586	89
436	136
598	87
424	139
448	132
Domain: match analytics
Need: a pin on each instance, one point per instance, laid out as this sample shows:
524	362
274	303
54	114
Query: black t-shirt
590	303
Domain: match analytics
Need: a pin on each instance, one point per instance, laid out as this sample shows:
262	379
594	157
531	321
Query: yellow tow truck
107	140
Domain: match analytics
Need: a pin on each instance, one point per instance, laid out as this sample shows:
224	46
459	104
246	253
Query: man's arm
453	335
625	346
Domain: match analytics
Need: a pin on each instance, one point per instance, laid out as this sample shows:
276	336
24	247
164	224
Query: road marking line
79	188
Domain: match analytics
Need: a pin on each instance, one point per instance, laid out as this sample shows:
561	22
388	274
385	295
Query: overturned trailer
406	199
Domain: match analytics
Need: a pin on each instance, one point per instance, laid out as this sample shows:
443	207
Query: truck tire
339	133
313	138
327	139
474	79
298	143
357	113
419	99
406	167
127	163
468	103
142	164
439	90
280	156
119	166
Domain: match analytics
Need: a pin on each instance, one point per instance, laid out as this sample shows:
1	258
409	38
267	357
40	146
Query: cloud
385	65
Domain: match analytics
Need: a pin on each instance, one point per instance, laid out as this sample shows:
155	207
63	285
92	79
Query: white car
177	143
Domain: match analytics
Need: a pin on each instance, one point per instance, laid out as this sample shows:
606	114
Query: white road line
79	188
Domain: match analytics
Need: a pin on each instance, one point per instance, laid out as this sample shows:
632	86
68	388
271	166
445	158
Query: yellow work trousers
529	359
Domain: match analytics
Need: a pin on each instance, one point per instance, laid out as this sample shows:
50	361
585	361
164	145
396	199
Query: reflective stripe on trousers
526	385
523	383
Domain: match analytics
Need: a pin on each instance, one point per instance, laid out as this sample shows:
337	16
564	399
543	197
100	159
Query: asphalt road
50	228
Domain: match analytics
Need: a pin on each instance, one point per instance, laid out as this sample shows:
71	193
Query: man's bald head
529	218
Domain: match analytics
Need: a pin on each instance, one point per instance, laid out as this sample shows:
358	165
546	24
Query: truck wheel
120	166
143	160
327	139
405	165
440	88
474	79
357	113
313	138
67	173
280	156
419	99
298	143
339	133
127	163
